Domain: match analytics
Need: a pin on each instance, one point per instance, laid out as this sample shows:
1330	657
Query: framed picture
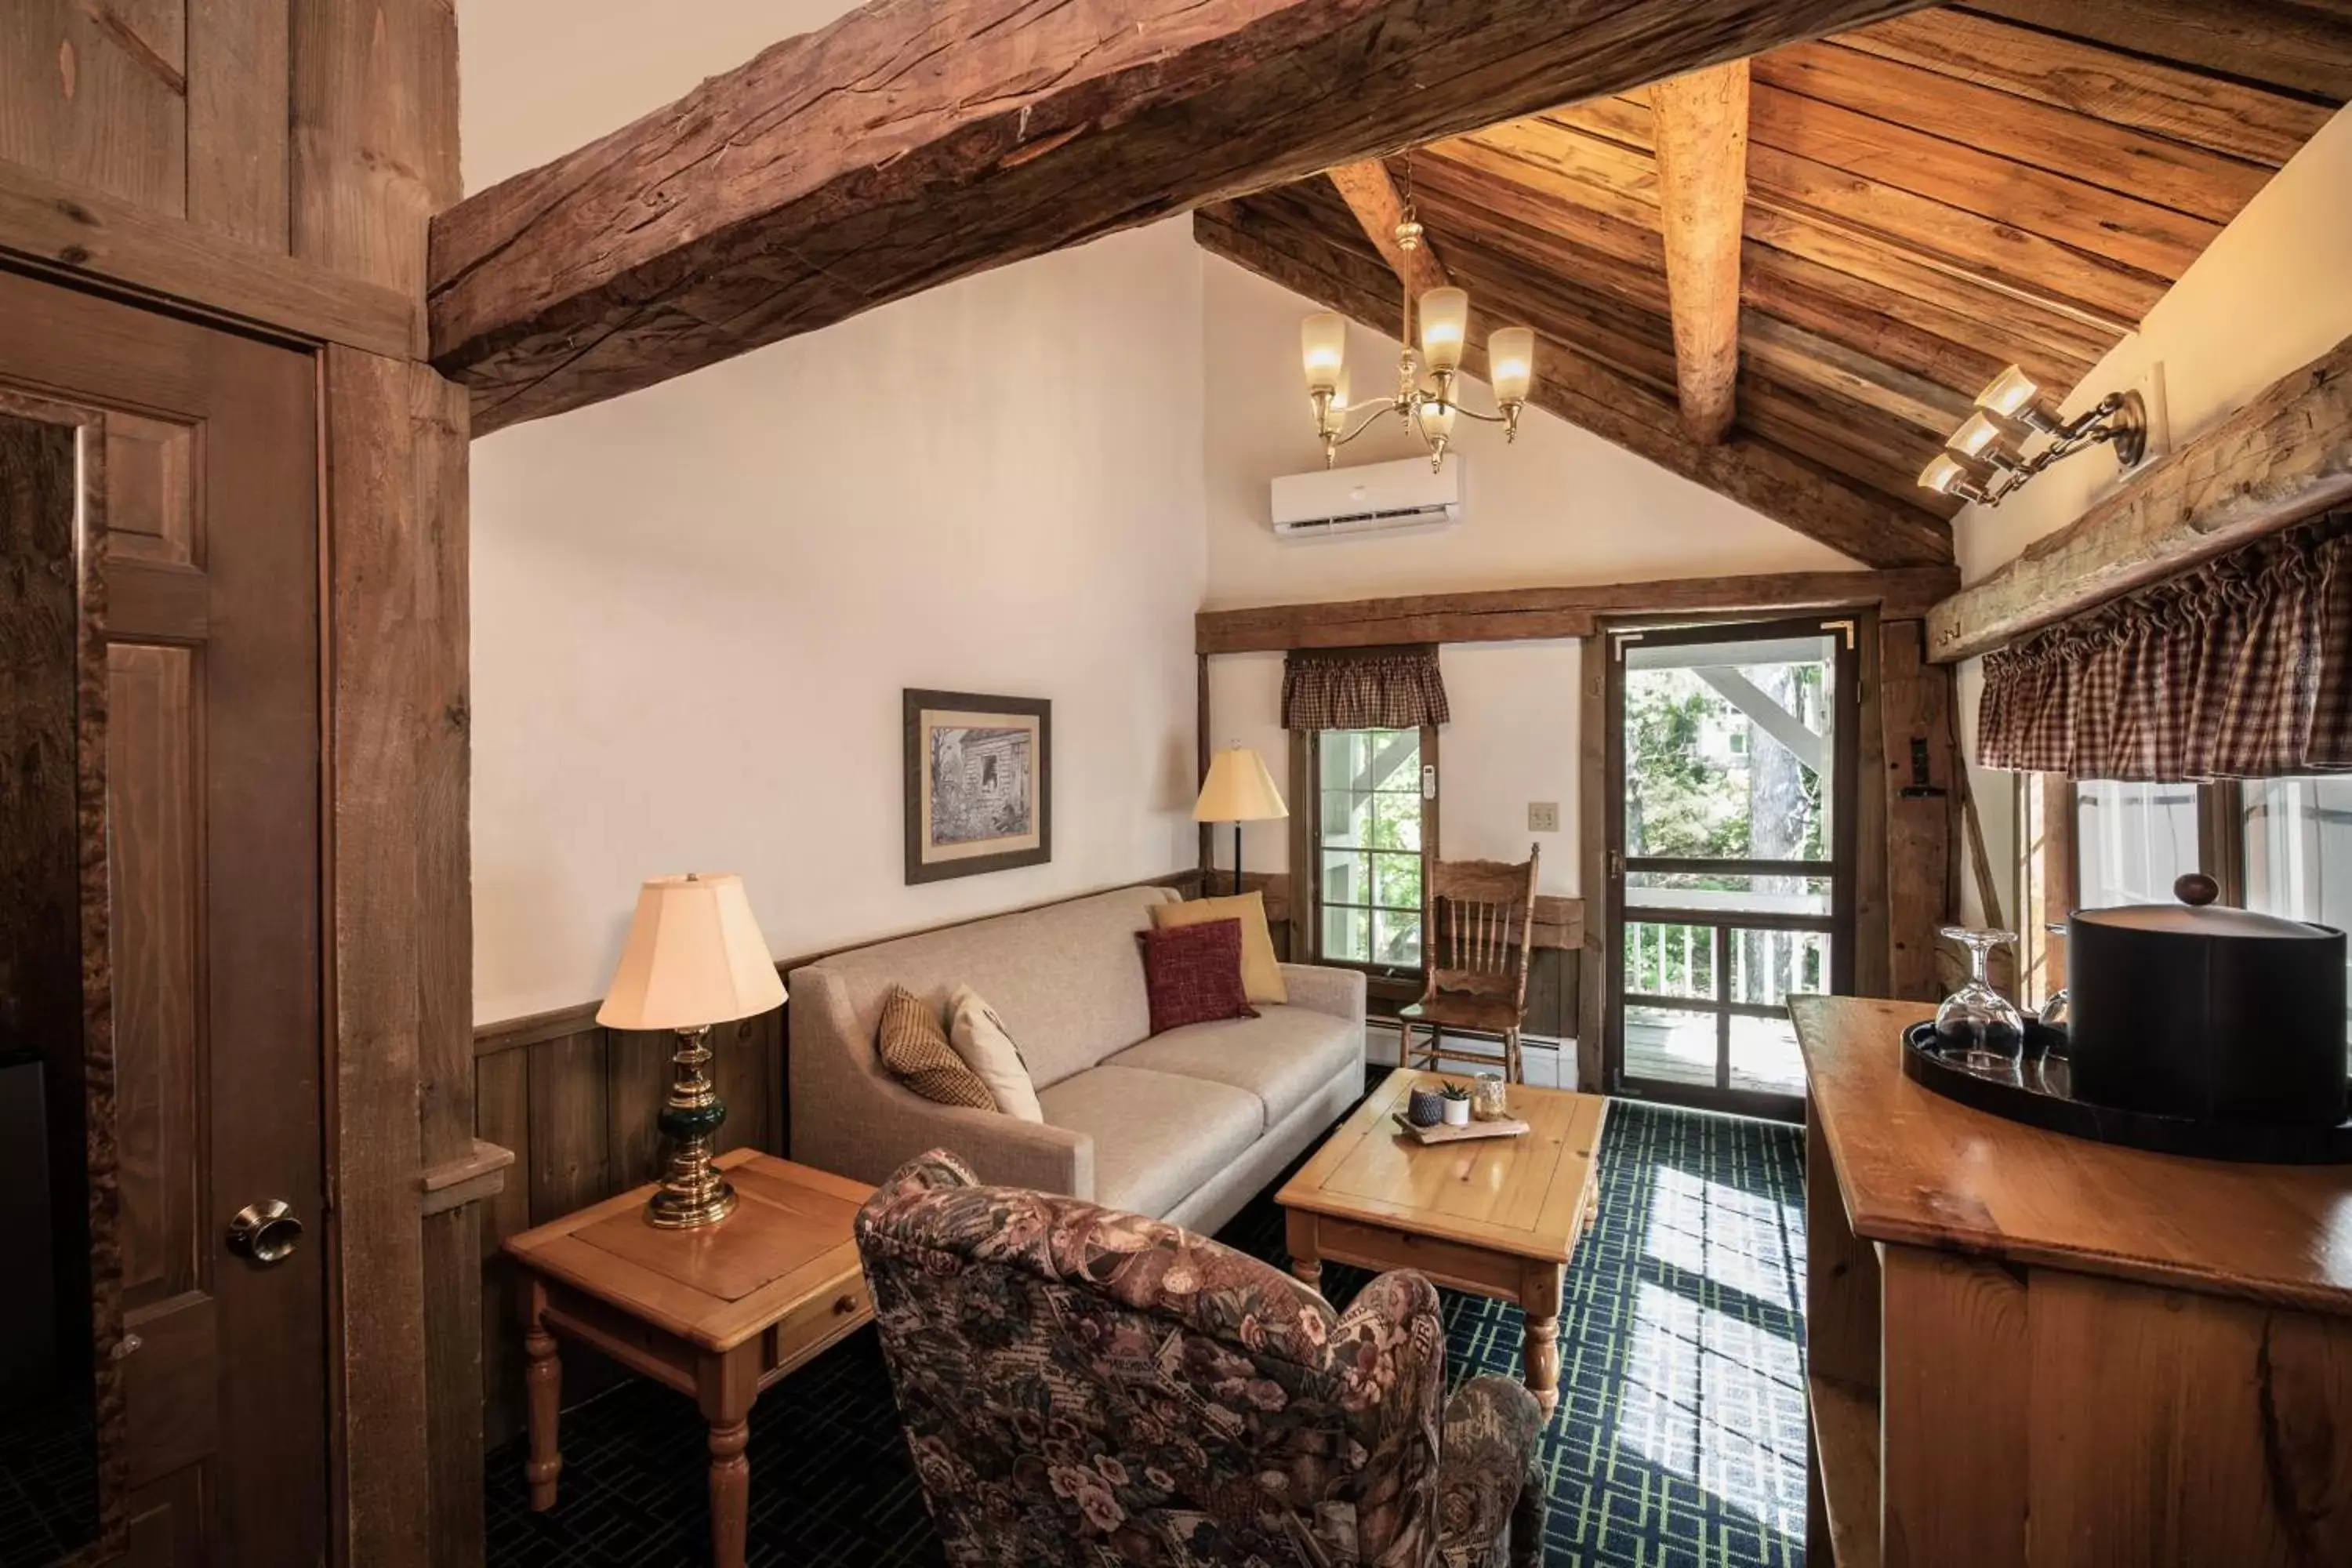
980	784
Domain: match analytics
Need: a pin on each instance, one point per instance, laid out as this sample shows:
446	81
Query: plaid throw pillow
919	1054
1193	975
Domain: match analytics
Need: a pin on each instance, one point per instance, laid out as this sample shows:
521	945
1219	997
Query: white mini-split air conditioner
1377	498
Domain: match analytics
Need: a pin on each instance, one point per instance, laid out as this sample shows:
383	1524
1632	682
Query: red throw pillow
1193	973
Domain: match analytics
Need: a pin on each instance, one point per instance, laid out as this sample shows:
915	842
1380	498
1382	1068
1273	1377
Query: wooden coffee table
1499	1216
718	1314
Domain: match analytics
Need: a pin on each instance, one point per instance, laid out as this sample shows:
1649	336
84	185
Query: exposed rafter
1373	197
914	142
1702	133
1279	236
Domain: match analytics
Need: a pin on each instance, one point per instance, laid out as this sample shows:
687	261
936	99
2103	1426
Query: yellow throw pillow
1261	971
919	1054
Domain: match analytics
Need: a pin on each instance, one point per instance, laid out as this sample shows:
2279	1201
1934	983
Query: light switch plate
1543	816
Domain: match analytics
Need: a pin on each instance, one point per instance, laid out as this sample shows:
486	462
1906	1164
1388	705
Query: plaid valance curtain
2241	668
1362	688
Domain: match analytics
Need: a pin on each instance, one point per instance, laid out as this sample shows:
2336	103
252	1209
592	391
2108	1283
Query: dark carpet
1679	1441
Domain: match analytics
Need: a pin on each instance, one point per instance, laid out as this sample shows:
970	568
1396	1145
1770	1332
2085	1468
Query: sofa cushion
1067	980
1158	1137
1282	1057
1261	972
919	1054
1193	973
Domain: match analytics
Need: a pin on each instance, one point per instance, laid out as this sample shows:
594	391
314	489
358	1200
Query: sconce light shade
1238	789
1948	474
1436	420
2012	394
1511	362
1444	324
1335	409
1988	437
694	957
1323	345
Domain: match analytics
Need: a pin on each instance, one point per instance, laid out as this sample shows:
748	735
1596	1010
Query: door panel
208	567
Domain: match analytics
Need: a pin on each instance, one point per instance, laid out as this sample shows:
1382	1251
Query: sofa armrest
1338	992
1001	1151
1490	1493
849	1116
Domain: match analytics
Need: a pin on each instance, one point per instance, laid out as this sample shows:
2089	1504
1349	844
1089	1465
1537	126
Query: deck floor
1664	1047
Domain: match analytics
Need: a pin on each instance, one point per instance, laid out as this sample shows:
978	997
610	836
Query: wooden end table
718	1314
1497	1216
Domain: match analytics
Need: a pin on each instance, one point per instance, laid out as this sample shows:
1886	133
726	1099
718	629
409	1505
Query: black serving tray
2040	1095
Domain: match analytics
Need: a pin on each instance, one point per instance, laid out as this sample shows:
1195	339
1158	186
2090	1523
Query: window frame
1387	982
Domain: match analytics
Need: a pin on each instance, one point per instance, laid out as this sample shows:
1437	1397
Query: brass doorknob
265	1232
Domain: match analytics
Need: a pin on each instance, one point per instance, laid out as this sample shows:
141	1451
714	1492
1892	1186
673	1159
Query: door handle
265	1233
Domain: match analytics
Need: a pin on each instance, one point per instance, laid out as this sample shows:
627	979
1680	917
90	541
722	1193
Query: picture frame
980	784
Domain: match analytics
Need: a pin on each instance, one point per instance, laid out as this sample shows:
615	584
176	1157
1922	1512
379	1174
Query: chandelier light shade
1429	411
1511	364
1323	344
1444	324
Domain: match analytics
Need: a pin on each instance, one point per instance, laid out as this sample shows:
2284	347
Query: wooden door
200	550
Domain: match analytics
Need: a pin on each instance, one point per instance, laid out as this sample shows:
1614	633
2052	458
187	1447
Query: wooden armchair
1478	930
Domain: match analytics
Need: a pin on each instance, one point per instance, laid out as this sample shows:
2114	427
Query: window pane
2132	840
1396	882
1346	817
1396	938
1764	1055
1348	934
1347	876
1728	760
1670	961
1676	1043
2298	838
1767	965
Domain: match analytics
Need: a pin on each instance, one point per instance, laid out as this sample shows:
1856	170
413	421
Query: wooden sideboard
2025	1348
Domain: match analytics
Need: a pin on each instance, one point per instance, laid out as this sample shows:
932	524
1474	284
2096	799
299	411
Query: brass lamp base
693	1193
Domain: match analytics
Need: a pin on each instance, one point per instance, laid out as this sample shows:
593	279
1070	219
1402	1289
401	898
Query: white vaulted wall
695	607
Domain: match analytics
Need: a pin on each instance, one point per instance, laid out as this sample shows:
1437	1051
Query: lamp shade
1323	349
695	956
1238	789
1444	324
1511	362
2010	393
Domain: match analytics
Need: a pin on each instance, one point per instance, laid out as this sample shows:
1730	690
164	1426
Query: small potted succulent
1457	1103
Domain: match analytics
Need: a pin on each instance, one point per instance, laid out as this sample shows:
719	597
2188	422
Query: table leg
729	1382
1539	1298
542	1378
1299	1230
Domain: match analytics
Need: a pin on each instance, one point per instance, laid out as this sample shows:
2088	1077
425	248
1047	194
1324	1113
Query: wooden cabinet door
198	447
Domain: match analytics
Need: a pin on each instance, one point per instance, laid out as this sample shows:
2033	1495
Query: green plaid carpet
1679	1441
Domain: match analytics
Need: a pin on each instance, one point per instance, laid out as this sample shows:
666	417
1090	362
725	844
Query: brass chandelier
1424	397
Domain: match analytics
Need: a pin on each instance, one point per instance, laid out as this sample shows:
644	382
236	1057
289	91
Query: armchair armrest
1338	992
1490	1496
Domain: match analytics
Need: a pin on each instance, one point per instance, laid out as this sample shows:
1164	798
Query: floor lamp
1238	789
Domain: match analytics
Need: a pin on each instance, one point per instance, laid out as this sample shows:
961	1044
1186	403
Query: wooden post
1702	125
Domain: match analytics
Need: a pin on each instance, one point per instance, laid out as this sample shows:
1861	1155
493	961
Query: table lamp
694	958
1238	789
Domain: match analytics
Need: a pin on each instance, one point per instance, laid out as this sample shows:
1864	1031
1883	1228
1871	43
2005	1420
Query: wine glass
1977	1025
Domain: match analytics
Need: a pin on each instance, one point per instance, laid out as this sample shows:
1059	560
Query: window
2132	841
1369	845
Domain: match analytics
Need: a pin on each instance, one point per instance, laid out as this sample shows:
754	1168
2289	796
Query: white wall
2271	293
694	607
1558	506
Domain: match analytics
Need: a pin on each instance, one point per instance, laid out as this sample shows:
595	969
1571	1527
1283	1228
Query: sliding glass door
1729	854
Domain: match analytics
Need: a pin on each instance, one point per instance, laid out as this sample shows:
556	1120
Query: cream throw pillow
980	1038
1261	972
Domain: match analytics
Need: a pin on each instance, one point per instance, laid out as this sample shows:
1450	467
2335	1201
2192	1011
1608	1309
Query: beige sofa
1184	1127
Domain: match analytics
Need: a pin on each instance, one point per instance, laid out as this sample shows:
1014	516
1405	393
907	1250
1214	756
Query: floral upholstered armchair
1085	1386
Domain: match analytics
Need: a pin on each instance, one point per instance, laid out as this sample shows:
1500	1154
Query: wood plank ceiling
1928	199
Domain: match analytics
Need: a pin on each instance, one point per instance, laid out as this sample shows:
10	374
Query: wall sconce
1985	459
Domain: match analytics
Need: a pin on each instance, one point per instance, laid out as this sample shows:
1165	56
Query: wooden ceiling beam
911	142
1702	130
1339	271
2284	457
2293	44
1511	615
1380	210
